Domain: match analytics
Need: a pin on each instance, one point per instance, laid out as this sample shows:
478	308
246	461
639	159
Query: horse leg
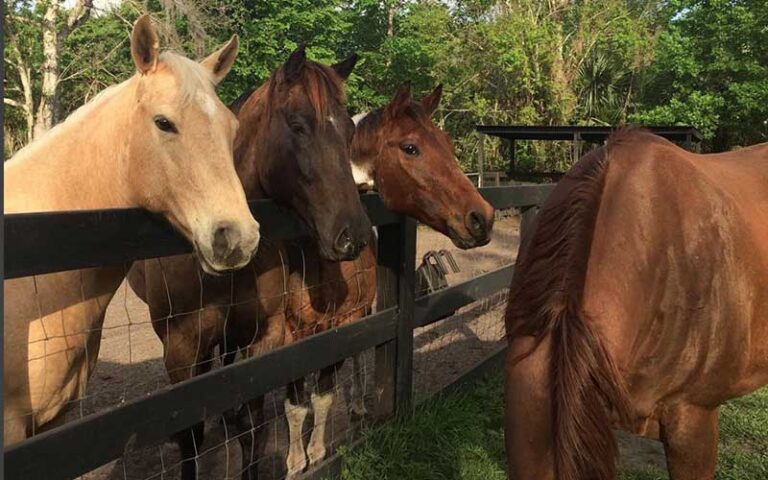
184	359
528	413
16	422
690	435
295	411
189	440
357	390
322	402
250	421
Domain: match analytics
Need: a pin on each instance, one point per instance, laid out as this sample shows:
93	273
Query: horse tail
546	301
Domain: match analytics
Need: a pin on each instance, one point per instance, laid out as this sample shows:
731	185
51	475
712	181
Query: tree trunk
47	106
25	74
53	39
560	71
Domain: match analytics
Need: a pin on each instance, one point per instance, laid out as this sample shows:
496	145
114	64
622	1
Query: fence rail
48	242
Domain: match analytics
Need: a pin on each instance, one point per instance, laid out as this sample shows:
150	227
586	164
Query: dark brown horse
639	302
293	146
413	165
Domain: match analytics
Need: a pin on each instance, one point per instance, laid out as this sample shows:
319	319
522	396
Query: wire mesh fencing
446	349
133	352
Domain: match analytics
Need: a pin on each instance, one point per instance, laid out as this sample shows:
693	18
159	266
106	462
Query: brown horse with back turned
413	165
639	301
293	146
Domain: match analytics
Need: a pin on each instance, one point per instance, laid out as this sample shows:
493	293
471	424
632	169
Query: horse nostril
344	244
476	225
226	237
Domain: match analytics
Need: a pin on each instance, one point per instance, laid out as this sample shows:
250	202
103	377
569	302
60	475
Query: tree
711	71
49	20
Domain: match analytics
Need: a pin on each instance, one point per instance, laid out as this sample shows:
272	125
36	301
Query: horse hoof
316	455
295	468
358	410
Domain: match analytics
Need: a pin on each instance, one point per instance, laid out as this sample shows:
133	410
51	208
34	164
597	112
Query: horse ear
220	62
400	101
145	45
344	67
295	63
431	101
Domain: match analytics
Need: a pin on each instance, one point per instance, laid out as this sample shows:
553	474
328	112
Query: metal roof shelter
688	136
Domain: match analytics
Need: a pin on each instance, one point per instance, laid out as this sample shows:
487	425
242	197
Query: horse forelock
191	77
319	82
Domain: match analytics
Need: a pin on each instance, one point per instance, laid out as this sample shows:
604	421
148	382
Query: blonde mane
192	77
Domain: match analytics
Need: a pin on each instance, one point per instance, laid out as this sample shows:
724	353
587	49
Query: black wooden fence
50	242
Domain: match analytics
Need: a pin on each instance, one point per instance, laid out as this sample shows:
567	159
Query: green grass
461	437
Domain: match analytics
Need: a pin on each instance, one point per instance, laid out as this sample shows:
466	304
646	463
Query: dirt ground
130	366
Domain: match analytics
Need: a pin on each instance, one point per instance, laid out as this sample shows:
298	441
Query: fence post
396	286
480	159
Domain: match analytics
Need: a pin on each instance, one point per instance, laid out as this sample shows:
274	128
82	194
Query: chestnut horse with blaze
411	162
638	302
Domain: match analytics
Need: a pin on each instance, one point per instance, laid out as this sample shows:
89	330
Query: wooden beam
80	446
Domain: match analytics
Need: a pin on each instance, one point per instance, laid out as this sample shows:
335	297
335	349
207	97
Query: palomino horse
638	302
293	146
161	140
413	165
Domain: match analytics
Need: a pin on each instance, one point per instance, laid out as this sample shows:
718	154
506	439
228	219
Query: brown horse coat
400	151
640	297
293	146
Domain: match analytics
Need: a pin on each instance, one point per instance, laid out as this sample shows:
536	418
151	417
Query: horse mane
190	73
545	300
320	82
238	103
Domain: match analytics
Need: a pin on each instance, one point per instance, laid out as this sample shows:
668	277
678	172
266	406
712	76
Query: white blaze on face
207	103
356	119
363	174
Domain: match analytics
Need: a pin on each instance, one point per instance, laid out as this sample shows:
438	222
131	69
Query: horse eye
165	125
297	128
410	149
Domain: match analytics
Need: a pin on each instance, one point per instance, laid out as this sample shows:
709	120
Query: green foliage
602	62
95	56
711	70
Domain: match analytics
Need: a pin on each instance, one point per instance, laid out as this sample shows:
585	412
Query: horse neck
76	165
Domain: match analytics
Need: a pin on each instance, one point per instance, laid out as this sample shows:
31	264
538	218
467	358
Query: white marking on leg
357	390
321	404
297	459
